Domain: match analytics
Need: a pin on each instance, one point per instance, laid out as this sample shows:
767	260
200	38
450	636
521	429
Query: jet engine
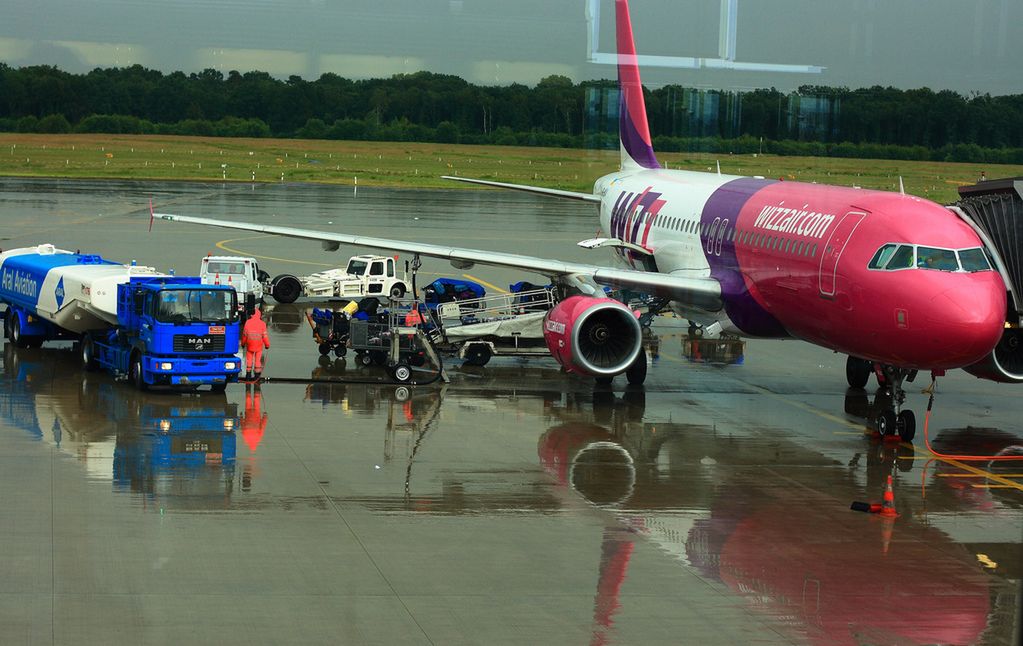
600	337
1005	363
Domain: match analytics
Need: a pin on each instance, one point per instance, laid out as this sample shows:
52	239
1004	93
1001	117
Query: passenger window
974	260
799	249
390	269
813	251
883	255
376	269
901	259
940	259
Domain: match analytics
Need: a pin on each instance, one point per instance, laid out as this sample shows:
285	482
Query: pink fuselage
792	260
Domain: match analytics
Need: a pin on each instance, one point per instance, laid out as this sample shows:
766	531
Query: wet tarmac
515	504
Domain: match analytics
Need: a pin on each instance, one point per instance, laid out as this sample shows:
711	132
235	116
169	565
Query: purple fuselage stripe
743	310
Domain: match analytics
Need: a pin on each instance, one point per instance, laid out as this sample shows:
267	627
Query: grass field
417	165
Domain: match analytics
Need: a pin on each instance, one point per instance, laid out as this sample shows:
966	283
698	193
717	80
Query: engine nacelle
1005	363
600	337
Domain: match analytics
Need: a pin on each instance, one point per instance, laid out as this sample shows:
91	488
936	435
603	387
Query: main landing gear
894	420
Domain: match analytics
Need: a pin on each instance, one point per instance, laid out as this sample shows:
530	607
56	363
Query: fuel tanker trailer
151	328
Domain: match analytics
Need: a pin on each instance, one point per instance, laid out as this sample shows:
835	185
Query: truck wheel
363	359
286	288
340	351
477	354
397	291
402	373
378	357
17	338
135	373
88	349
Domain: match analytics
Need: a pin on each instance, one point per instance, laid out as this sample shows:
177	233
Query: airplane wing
551	192
703	291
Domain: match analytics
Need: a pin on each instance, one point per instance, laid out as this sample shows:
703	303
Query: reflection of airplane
898	283
179	450
661	483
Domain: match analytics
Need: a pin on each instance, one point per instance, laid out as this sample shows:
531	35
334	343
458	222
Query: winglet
634	131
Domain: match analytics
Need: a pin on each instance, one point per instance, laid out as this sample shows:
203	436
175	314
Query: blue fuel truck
150	328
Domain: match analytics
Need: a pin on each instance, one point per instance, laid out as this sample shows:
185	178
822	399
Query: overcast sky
964	45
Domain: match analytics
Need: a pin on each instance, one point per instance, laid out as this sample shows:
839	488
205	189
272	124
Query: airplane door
833	250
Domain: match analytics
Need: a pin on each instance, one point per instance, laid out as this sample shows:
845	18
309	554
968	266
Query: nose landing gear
895	420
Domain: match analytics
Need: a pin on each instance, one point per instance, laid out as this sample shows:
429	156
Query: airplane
898	283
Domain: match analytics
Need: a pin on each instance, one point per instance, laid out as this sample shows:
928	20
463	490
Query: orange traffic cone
888	502
216	279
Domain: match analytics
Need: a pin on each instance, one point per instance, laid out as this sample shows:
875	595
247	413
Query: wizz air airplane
898	283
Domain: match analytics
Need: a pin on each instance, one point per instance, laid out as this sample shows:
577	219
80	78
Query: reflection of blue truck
179	449
136	323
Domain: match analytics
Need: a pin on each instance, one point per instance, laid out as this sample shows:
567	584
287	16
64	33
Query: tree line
876	122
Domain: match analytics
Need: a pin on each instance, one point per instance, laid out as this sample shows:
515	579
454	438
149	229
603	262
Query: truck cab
374	275
241	273
172	331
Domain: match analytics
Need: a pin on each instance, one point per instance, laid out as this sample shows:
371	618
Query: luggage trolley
331	330
388	341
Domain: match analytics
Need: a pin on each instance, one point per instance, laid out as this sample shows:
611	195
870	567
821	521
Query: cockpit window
882	256
940	259
902	258
974	260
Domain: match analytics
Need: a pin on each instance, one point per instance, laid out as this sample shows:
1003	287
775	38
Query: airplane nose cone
971	319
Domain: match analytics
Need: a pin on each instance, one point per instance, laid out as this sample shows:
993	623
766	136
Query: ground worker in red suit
254	340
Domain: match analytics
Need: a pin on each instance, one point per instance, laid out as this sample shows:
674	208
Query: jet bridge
994	209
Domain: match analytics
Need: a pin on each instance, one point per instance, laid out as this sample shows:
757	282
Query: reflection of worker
253	422
255	339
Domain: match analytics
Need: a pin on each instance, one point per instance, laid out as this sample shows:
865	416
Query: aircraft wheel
636	373
886	423
857	371
604	380
906	425
324	348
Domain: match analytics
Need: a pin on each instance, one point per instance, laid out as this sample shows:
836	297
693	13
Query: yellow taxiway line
485	283
223	245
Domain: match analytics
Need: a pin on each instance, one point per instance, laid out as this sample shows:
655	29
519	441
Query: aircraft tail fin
634	131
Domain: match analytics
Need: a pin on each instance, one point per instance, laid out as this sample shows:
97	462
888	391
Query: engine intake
1005	363
593	336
